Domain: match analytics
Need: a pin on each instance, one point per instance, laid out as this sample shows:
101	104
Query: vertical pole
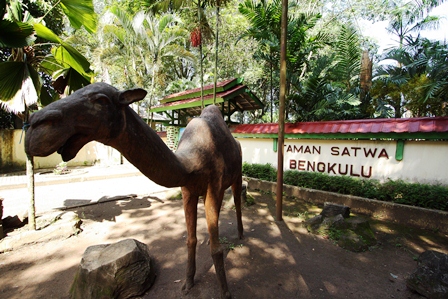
216	53
200	54
281	116
32	206
30	179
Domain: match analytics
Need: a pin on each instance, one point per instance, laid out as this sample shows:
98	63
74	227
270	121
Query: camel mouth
72	146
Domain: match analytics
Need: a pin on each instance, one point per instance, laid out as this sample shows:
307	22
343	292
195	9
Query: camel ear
132	95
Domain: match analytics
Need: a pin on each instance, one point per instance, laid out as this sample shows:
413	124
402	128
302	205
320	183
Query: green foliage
24	71
414	194
260	171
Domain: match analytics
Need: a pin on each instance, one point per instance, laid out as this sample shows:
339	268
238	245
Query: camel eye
46	116
99	99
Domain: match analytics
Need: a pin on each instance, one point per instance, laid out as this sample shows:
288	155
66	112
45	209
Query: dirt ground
274	260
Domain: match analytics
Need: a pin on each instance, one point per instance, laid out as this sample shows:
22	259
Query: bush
420	195
263	172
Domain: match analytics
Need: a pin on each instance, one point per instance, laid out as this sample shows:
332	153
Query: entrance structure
231	96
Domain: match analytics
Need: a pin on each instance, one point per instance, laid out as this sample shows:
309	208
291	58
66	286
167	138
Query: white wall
423	161
92	153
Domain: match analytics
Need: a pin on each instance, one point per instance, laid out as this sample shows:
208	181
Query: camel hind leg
236	189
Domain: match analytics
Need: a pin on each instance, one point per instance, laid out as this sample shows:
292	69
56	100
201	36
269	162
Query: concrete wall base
396	213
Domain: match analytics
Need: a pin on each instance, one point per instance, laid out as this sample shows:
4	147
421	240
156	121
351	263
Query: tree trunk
200	54
281	114
366	83
216	55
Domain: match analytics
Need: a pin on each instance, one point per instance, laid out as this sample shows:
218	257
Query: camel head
95	112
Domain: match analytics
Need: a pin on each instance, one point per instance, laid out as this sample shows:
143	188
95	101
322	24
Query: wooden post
30	183
281	115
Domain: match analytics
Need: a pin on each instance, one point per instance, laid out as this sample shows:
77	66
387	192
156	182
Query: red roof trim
361	126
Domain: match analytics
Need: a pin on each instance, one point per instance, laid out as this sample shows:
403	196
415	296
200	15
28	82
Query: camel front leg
191	212
213	203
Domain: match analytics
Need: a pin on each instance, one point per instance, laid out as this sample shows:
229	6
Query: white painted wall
92	153
423	161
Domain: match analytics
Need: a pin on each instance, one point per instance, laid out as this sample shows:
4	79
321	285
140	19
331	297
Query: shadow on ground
274	260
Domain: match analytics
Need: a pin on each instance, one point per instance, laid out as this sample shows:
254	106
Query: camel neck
142	147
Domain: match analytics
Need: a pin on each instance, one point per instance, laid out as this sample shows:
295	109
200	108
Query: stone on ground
120	270
430	279
352	233
332	209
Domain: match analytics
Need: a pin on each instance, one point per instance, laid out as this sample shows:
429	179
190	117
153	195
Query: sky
378	32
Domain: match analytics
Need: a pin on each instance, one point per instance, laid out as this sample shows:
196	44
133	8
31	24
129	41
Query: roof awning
395	128
231	94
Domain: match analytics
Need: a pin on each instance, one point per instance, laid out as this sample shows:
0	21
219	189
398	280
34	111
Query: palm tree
392	80
143	44
264	18
410	18
163	41
200	32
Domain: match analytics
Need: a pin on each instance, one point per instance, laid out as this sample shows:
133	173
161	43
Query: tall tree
393	79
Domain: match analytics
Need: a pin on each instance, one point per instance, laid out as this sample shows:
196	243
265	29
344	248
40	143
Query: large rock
430	279
331	209
120	270
354	233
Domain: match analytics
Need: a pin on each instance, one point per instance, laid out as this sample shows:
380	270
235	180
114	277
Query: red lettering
298	150
292	164
331	168
310	166
345	152
368	152
289	149
351	171
307	150
366	175
383	153
356	149
301	165
321	167
342	172
335	151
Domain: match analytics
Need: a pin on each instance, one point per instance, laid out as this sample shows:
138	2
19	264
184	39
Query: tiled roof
184	93
360	126
237	96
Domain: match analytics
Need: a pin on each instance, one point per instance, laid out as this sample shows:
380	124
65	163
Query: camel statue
207	161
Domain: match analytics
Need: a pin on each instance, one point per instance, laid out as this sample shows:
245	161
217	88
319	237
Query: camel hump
210	112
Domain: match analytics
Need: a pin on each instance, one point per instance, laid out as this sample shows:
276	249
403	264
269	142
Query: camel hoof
187	287
226	295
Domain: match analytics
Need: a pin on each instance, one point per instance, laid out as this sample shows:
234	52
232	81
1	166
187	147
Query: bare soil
276	259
